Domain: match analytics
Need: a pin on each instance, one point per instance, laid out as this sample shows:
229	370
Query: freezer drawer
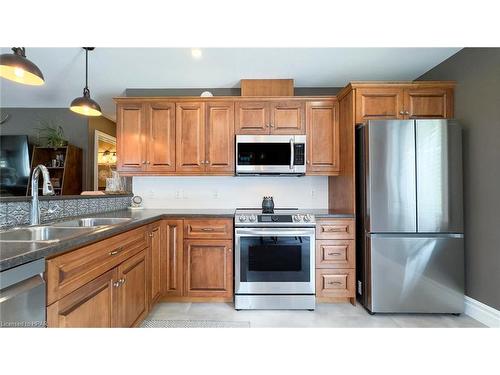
417	274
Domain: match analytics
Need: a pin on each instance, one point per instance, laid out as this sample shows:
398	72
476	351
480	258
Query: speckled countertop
14	254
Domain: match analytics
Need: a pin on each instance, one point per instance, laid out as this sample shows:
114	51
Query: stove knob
242	218
308	217
252	218
274	218
297	218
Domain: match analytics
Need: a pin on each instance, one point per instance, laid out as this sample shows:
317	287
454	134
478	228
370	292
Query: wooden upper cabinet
132	290
432	103
91	306
220	136
322	119
379	104
160	138
130	135
190	137
252	117
208	268
172	258
287	117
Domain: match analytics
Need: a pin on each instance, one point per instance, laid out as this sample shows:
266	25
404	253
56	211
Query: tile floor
325	315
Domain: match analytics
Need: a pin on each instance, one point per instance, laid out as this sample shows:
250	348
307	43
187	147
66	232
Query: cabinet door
323	138
288	118
92	305
190	137
208	268
156	242
252	118
161	137
379	104
130	138
171	258
132	290
432	103
220	136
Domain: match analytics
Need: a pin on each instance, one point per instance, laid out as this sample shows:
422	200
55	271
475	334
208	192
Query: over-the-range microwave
270	155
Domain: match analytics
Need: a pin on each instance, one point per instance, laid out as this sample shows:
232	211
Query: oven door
274	261
270	154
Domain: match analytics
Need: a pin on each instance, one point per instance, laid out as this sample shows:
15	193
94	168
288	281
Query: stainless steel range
274	259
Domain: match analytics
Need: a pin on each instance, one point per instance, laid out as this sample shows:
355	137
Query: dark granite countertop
13	254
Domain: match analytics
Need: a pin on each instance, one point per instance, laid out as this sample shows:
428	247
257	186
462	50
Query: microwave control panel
299	154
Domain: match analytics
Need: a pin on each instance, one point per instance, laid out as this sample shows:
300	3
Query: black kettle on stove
267	205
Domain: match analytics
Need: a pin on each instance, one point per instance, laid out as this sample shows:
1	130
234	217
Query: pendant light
16	67
84	105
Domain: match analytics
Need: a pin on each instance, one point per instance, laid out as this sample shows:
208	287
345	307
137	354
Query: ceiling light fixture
16	67
84	105
196	53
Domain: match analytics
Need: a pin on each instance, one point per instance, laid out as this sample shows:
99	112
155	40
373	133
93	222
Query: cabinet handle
122	281
116	251
334	282
116	284
333	253
151	234
207	229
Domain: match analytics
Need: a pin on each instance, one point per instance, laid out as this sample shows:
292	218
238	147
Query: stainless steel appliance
270	154
410	222
22	295
274	260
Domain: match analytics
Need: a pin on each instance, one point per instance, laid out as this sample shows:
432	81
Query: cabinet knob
151	234
116	284
272	126
308	162
401	112
407	113
144	162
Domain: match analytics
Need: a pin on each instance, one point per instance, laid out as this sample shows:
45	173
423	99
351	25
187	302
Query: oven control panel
298	219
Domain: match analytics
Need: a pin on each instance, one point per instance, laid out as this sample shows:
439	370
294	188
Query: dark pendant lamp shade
85	105
16	67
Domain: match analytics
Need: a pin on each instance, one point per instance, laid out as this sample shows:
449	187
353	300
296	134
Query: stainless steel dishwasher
22	295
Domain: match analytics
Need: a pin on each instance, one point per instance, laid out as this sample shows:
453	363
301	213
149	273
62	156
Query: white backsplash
231	192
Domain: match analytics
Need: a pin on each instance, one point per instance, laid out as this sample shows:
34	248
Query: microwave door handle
292	149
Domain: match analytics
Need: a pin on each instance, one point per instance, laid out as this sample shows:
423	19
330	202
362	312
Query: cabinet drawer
335	283
67	272
335	254
208	228
335	229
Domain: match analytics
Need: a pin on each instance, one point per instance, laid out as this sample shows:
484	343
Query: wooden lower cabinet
335	260
208	268
92	305
132	291
171	259
334	284
154	262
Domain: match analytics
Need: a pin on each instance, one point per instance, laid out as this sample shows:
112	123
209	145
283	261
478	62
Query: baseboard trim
482	313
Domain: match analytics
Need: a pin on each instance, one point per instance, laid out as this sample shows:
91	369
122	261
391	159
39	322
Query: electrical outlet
178	194
360	287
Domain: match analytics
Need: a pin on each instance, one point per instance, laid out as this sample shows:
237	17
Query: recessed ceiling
112	70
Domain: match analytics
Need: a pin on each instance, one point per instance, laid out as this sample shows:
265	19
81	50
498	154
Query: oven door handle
292	150
274	232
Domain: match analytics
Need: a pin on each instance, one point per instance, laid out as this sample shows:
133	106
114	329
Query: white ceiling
112	70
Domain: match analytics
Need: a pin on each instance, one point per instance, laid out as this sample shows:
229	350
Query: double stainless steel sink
58	231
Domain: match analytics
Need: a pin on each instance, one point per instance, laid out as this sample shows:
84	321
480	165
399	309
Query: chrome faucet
46	190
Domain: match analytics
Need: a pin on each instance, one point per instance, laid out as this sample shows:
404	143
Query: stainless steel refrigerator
410	243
